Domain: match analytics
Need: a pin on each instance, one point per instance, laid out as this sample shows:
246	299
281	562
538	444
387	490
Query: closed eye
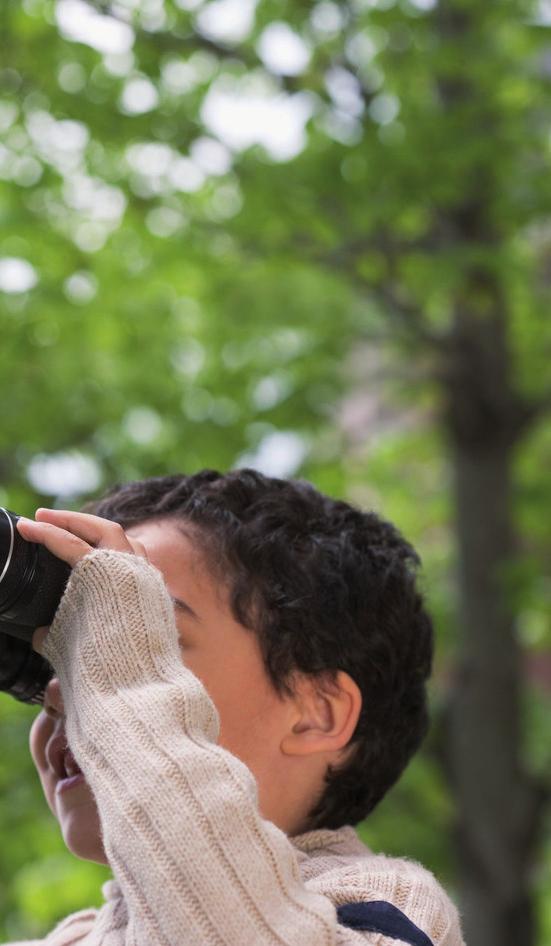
184	608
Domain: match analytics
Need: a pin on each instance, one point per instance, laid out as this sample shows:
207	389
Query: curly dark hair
325	587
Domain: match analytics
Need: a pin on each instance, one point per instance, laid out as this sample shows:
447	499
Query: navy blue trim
378	916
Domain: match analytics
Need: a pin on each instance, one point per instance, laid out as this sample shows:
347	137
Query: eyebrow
185	607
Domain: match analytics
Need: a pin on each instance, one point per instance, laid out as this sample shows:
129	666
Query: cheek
250	711
41	730
250	720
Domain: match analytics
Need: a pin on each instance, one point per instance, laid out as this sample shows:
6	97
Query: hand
71	536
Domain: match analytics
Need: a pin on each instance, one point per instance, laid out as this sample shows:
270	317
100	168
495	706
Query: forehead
176	551
178	555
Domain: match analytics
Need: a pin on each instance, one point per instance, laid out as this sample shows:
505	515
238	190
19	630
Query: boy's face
222	653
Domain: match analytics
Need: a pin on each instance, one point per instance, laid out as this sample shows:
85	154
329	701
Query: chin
83	844
81	831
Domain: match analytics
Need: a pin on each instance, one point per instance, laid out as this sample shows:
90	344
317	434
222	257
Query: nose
53	701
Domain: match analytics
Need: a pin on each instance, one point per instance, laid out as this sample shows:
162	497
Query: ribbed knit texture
194	862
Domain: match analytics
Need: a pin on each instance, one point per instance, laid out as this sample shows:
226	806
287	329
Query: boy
240	677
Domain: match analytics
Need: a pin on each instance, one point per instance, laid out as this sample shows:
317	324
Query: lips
71	767
60	758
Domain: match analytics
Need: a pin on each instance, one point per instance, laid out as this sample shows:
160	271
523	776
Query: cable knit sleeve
195	861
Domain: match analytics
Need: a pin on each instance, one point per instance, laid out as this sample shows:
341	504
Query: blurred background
311	238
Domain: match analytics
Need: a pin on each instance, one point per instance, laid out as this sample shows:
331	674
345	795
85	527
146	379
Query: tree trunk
498	804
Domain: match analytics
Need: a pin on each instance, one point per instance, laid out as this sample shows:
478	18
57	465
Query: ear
325	713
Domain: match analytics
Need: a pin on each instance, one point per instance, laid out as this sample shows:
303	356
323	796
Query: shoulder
68	931
338	865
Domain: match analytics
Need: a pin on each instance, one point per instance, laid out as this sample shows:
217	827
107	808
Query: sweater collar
326	839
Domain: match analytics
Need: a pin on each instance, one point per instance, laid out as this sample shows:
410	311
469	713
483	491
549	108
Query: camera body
32	582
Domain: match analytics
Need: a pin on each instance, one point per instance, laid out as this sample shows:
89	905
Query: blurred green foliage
268	310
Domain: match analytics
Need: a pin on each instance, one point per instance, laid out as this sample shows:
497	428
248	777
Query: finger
64	545
98	532
38	638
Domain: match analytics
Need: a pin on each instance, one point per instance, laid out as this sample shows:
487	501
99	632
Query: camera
32	582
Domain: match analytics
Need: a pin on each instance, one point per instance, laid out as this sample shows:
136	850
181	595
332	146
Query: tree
401	207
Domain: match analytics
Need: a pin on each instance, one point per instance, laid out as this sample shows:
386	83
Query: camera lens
7	539
24	674
32	581
18	566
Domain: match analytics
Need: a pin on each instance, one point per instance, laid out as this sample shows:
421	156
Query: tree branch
408	315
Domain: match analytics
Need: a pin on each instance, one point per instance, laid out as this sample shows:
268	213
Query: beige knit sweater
193	861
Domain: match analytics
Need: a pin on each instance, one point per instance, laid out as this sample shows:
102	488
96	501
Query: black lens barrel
24	674
19	574
32	581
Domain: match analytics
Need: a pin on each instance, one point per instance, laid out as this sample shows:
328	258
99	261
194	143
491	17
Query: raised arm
181	826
